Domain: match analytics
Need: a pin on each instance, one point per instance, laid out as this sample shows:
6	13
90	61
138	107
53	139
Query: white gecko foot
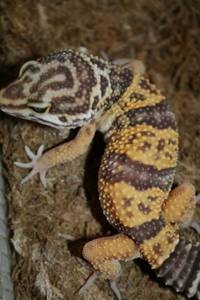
33	165
91	279
115	289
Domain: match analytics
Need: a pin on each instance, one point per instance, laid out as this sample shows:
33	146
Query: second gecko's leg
104	255
60	154
180	206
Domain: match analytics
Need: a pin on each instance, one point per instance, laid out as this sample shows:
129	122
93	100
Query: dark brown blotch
14	91
133	137
127	201
152	198
161	144
119	167
146	85
98	62
168	155
104	85
145	147
145	231
171	142
120	80
145	209
129	214
137	97
95	102
170	239
157	249
60	104
157	116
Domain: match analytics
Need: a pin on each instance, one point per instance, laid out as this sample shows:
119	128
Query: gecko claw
114	288
42	176
91	279
29	152
33	164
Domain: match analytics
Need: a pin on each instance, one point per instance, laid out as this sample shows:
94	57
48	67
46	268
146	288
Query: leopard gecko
70	89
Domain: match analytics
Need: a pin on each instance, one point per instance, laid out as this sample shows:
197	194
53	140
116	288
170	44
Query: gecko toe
29	152
24	165
115	289
40	150
33	165
88	283
29	176
43	179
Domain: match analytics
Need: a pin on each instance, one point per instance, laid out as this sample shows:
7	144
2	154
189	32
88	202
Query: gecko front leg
60	154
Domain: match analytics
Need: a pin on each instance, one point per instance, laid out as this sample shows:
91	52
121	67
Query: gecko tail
182	269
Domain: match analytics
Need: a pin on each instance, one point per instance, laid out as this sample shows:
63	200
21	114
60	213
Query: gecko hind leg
180	206
104	255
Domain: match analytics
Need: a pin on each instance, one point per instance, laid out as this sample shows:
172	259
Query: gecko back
136	176
139	163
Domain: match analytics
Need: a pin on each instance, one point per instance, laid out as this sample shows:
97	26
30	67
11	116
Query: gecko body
72	89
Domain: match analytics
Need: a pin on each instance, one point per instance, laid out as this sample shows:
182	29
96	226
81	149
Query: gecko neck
120	80
140	94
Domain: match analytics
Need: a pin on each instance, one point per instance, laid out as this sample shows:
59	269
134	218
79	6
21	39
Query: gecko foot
114	287
33	165
91	280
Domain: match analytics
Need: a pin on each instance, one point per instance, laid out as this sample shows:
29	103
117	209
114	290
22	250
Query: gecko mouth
27	116
13	111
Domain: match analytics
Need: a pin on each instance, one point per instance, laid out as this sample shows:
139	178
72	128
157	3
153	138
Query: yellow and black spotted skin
137	170
74	89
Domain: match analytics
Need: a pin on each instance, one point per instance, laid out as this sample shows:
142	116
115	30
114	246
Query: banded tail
182	269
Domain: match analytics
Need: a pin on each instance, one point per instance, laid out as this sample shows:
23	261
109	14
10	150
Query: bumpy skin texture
138	168
70	89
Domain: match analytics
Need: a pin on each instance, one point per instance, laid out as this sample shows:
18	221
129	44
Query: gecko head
20	98
59	90
40	94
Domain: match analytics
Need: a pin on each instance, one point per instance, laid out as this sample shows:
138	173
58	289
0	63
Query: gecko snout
12	95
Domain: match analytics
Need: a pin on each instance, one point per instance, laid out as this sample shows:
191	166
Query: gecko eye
38	107
40	110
